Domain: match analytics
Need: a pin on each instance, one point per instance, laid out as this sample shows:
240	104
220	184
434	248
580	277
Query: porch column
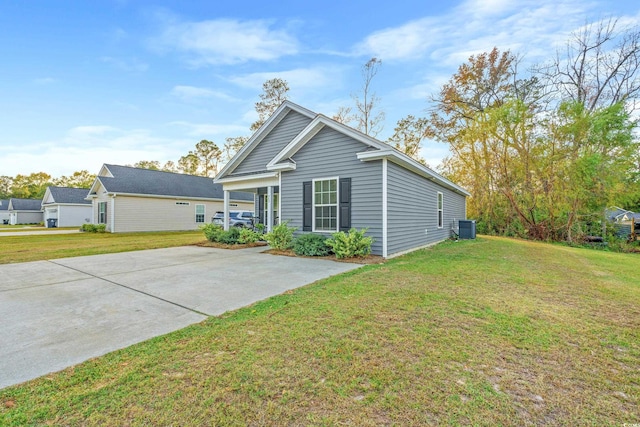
269	208
226	210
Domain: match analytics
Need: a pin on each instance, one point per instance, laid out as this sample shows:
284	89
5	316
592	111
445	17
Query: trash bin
52	222
467	228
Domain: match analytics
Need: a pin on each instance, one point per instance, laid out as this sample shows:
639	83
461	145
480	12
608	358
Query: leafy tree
275	92
31	186
170	166
6	183
209	157
408	136
233	145
79	179
148	164
189	163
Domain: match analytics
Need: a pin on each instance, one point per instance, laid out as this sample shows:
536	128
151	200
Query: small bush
230	237
212	232
248	236
311	245
281	237
93	228
352	244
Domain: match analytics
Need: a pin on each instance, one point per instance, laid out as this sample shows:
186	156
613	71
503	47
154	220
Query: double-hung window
440	210
102	212
200	214
325	205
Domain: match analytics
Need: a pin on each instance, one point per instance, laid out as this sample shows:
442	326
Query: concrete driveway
58	313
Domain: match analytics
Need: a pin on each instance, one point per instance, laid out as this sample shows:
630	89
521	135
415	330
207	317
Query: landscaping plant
310	244
248	236
281	237
351	244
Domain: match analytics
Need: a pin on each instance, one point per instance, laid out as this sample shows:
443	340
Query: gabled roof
25	204
147	182
374	150
4	205
66	195
263	131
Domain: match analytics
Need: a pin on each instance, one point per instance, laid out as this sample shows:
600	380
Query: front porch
266	190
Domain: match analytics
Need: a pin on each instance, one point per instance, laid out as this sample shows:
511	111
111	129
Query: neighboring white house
128	199
66	207
25	211
4	211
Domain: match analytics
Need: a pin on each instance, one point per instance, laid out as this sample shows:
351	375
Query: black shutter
345	204
307	206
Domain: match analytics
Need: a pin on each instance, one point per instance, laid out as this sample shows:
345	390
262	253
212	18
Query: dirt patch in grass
208	244
369	259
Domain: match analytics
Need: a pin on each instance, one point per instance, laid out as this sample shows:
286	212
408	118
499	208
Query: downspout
113	213
385	252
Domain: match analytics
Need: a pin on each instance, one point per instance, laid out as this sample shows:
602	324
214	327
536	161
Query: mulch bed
369	259
208	244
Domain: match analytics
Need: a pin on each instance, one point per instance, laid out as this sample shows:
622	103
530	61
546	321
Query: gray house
128	199
323	176
67	206
4	211
25	211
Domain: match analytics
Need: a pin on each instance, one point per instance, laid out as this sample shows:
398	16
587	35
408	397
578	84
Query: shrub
248	236
311	245
230	237
212	232
352	244
281	237
94	228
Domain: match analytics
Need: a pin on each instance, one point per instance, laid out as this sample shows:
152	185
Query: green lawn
486	332
39	247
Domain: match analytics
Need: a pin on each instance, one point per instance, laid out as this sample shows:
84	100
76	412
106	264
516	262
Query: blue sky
89	82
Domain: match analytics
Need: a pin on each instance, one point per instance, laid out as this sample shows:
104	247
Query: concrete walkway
62	312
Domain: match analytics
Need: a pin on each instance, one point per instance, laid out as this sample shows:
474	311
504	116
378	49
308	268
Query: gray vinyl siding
290	126
331	154
412	208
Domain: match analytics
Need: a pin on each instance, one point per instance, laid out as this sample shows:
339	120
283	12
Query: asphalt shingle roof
131	180
26	204
4	205
69	195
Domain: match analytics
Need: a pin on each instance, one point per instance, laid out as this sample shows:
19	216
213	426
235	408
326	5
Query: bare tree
343	115
600	66
367	102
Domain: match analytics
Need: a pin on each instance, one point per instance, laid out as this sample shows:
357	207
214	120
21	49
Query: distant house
626	222
25	211
322	177
4	211
129	199
67	206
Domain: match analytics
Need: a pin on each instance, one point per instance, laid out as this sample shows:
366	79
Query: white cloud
528	26
189	93
88	147
227	41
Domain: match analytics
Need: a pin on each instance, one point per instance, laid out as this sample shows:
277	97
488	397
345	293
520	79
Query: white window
440	210
102	212
325	204
200	214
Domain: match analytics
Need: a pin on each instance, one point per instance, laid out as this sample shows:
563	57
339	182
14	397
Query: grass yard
487	332
40	247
